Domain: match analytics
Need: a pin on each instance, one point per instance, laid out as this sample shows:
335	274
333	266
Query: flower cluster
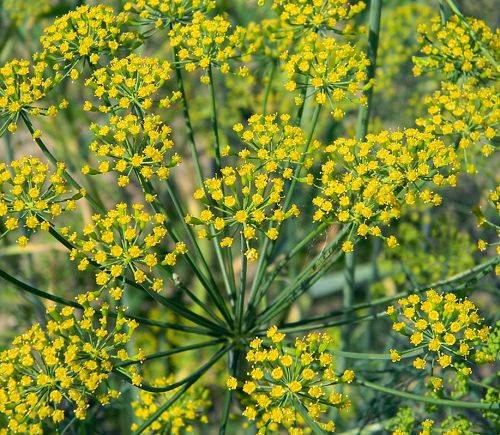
269	39
399	43
22	86
129	83
290	386
458	48
247	199
30	195
483	220
315	15
127	145
190	408
208	43
161	13
21	11
449	328
48	373
335	72
276	144
87	32
119	242
368	182
468	114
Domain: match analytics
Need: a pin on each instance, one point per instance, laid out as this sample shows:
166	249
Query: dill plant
228	160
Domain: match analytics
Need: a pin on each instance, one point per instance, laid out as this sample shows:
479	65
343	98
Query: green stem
269	86
192	379
482	269
233	370
373	38
430	400
147	322
268	245
257	291
215	124
302	283
187	120
376	356
243	283
172	352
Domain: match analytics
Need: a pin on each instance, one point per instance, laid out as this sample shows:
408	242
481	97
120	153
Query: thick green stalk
267	91
240	300
215	124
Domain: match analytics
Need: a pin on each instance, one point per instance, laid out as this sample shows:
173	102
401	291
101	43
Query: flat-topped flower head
123	243
23	85
449	328
86	33
458	48
275	143
130	147
335	72
208	43
368	182
316	15
131	83
246	200
191	409
285	385
50	374
31	195
465	114
159	14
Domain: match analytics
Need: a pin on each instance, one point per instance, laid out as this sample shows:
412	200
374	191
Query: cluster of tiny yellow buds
208	43
128	145
25	12
163	13
283	379
130	83
367	182
334	71
190	409
120	243
30	195
399	43
22	85
449	329
461	47
482	220
47	374
316	15
87	32
468	114
247	199
269	39
278	145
